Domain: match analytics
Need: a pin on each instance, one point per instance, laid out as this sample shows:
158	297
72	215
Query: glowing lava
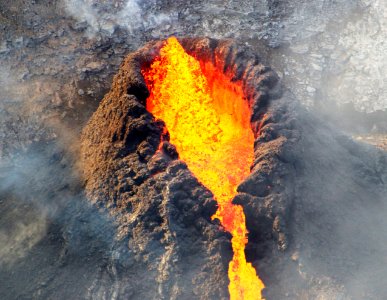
208	122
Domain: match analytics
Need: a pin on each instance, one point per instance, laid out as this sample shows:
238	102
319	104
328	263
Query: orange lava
208	122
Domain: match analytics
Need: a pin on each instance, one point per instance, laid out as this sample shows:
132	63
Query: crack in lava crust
209	123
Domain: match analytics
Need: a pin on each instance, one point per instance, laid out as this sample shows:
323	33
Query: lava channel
208	120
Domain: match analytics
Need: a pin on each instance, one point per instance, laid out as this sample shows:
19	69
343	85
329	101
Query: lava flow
208	122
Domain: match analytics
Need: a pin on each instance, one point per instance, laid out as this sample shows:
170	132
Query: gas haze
104	18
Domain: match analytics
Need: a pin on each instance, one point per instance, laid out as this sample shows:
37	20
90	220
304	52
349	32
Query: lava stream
208	122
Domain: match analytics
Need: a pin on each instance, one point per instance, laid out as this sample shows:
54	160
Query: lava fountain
208	121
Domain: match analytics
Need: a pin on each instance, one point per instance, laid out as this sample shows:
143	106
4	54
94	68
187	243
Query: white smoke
25	234
105	18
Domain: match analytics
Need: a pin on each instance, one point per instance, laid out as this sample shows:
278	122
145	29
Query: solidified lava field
193	149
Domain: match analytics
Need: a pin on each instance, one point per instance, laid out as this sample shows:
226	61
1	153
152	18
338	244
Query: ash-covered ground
57	60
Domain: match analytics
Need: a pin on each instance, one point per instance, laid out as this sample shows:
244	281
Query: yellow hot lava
208	122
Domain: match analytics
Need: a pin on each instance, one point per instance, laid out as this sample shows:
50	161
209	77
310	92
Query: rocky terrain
321	227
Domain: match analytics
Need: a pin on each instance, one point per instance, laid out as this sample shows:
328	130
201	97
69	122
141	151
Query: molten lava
208	122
